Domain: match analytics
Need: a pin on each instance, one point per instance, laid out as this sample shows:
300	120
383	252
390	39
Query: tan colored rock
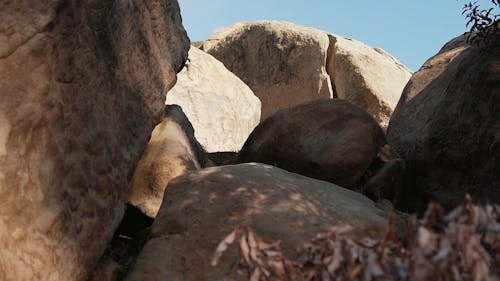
286	64
283	63
222	109
368	77
446	126
80	96
171	151
202	207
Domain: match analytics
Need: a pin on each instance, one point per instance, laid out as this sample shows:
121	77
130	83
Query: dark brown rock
82	83
329	139
447	127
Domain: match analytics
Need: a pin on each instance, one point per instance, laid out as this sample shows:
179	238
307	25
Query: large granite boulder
82	83
332	140
368	77
286	64
222	109
283	63
202	207
447	127
171	151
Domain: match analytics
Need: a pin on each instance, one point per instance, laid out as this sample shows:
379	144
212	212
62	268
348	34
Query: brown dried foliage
461	245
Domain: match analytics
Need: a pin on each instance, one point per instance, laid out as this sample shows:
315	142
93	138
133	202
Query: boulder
368	77
283	63
331	140
202	207
171	151
82	83
222	109
446	126
286	64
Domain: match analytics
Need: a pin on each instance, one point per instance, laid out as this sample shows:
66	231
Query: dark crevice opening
128	240
331	52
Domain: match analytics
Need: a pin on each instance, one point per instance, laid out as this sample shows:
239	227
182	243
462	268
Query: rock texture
82	85
368	77
447	126
283	63
222	109
286	64
202	207
329	139
171	151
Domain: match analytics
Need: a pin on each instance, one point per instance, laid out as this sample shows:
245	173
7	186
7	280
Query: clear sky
411	30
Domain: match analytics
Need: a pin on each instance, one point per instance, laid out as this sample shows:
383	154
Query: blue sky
411	30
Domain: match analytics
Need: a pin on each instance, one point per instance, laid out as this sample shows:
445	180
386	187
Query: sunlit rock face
287	64
283	63
222	109
82	83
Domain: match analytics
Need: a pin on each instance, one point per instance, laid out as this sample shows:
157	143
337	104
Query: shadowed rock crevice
126	244
330	64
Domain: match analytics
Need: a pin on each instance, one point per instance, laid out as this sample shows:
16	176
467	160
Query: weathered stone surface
106	270
222	109
202	207
368	77
171	151
330	139
283	63
286	64
82	85
446	126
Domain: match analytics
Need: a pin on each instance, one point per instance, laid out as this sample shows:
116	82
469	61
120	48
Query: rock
83	83
202	207
368	77
283	63
286	64
331	140
446	127
222	109
107	270
172	151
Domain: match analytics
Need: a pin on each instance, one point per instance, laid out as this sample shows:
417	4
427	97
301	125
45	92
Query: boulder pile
127	154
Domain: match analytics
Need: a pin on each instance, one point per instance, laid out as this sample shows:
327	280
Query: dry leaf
222	247
256	275
245	250
462	245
